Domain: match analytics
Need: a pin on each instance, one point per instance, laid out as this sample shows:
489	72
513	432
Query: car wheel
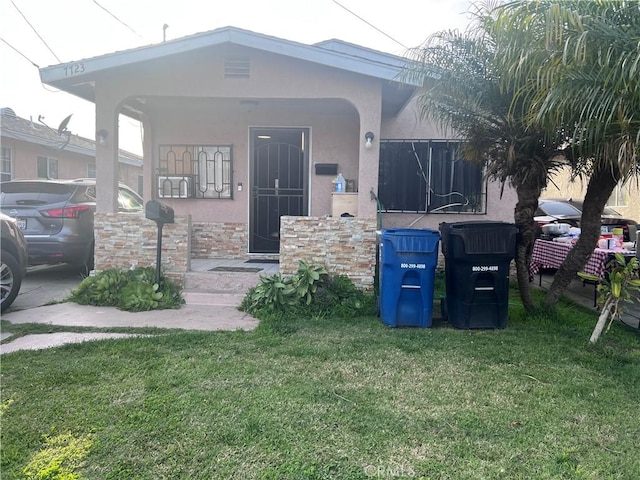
10	280
86	265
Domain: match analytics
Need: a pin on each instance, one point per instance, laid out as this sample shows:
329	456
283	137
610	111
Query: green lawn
331	398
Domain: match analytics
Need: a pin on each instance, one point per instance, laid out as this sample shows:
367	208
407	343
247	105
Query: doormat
236	269
268	260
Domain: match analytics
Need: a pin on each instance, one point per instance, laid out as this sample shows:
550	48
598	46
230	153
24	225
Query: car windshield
34	193
610	211
559	208
129	201
605	211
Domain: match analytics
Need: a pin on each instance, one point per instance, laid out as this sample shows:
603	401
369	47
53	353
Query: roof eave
79	73
68	148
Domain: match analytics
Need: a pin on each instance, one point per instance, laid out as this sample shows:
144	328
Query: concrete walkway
192	316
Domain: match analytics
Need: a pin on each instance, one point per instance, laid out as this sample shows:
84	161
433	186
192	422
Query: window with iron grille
47	167
429	176
195	171
6	168
91	170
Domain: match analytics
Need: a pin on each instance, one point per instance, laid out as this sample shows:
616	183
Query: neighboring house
625	198
34	150
244	134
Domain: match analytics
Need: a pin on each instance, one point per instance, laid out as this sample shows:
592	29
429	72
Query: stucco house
244	135
31	149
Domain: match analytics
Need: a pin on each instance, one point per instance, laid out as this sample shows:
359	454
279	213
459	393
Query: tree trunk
523	215
601	184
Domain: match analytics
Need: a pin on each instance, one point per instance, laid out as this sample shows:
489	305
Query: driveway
46	284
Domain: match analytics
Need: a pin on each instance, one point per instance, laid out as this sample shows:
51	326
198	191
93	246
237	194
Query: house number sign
73	69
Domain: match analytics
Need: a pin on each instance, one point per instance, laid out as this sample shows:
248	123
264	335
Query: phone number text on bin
417	266
484	268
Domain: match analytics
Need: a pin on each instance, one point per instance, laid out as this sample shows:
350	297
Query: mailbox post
161	214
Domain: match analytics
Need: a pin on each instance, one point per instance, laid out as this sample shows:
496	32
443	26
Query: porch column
370	121
106	152
148	169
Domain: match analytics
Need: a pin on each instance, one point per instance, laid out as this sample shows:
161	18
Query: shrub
133	290
310	292
102	289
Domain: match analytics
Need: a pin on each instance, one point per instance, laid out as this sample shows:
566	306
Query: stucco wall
25	160
24	156
331	137
188	101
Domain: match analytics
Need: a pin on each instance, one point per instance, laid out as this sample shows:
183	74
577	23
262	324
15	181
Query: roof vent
236	67
6	111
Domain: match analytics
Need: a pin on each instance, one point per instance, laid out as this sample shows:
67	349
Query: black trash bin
477	259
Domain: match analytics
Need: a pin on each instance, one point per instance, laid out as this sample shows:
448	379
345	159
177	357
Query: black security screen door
279	183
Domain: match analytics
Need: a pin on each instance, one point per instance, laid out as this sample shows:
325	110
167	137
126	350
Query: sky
49	32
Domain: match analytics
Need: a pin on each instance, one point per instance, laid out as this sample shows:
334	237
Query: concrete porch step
217	288
213	299
220	282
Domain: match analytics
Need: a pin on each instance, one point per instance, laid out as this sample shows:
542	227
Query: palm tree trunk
523	217
601	184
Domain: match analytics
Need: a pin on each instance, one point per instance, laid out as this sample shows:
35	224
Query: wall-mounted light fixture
368	138
101	136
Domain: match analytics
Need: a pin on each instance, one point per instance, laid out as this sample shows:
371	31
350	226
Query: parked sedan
56	217
570	211
13	261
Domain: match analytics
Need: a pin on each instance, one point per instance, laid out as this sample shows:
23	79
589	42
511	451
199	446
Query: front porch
236	265
345	246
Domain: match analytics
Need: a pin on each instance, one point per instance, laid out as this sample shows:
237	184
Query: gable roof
76	77
18	128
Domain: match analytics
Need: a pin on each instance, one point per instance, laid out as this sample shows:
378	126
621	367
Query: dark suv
13	261
552	210
56	217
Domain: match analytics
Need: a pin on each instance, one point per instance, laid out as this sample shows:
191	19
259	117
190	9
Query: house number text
74	69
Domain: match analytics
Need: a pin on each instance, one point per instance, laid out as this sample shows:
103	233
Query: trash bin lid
478	237
412	240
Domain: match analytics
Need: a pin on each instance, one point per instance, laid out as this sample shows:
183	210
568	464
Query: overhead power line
36	32
20	53
370	24
117	19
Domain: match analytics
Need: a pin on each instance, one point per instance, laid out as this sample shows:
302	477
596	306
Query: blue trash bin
408	259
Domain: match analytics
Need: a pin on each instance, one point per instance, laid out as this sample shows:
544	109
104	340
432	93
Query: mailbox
158	212
161	214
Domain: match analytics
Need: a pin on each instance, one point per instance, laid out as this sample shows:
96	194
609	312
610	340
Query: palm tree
576	65
462	92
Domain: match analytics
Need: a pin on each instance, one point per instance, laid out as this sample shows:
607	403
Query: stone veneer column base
345	245
125	240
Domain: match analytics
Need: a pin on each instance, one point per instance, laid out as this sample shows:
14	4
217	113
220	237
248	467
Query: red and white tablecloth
548	254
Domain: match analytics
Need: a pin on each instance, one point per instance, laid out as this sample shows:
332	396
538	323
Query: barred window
428	176
195	171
